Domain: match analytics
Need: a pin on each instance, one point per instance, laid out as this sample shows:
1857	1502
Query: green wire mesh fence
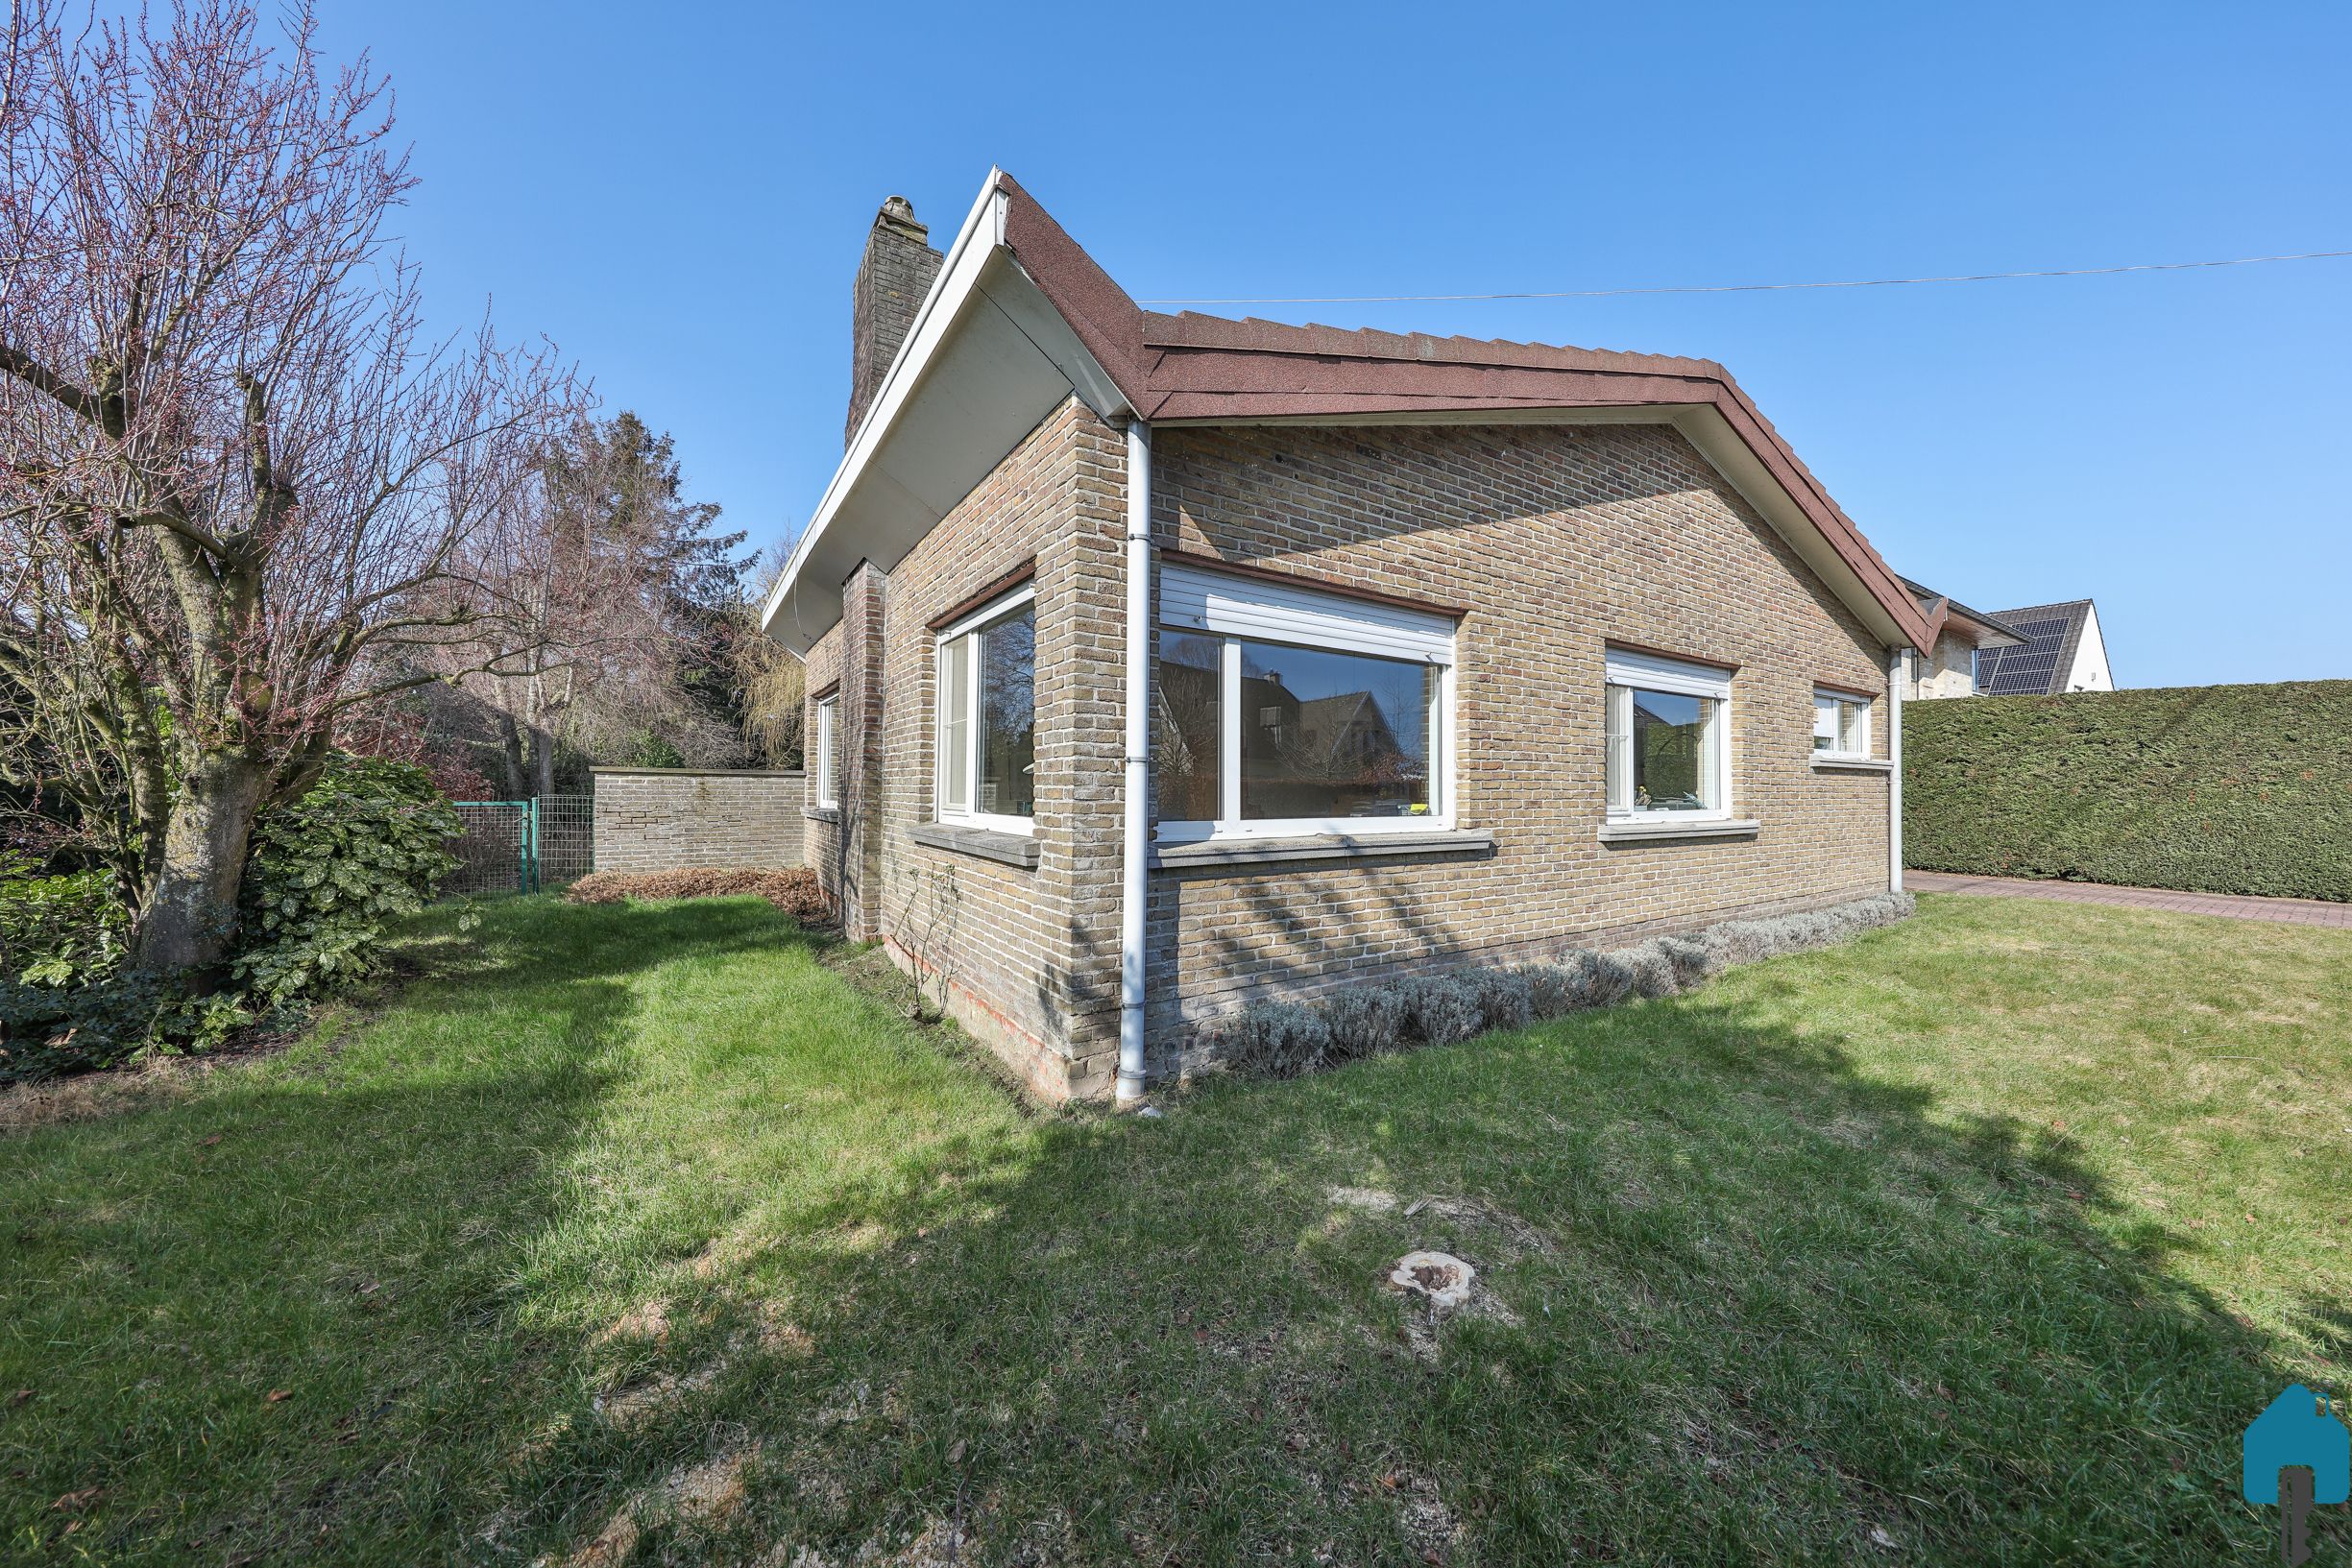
523	846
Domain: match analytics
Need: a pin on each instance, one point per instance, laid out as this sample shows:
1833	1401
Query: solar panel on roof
2031	668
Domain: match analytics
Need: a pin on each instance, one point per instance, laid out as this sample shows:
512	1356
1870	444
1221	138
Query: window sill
821	813
1852	764
1653	833
987	844
1255	852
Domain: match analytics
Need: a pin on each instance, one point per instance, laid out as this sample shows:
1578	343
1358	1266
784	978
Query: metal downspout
1896	667
1136	846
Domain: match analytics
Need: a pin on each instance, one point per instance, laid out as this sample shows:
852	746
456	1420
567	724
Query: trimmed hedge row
2207	789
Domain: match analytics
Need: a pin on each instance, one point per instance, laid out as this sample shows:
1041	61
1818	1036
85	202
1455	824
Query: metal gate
523	846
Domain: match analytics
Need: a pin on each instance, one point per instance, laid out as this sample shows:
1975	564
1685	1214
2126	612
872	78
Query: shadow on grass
296	1312
1748	1305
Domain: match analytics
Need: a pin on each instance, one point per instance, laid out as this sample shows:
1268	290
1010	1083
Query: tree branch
41	378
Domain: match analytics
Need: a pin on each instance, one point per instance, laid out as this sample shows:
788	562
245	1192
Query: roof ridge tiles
1199	329
2042	609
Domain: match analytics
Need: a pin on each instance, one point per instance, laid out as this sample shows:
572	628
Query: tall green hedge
2212	789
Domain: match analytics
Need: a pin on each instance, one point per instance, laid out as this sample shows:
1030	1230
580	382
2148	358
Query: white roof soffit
987	358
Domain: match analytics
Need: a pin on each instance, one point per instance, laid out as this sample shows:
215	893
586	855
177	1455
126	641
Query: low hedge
328	874
2208	789
1438	1008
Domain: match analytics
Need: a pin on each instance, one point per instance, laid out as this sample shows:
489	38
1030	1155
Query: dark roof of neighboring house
1991	631
2052	633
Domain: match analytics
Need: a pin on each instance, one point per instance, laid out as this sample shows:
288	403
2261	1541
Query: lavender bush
1283	1039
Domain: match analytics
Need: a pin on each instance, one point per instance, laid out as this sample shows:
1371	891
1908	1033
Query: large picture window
1669	747
1282	711
987	730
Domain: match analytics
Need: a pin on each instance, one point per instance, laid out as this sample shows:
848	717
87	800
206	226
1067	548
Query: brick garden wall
662	819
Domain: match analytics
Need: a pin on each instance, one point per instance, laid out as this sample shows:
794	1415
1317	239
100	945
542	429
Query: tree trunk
191	907
542	757
510	753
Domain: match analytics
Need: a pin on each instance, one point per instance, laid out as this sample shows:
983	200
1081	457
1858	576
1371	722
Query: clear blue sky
677	194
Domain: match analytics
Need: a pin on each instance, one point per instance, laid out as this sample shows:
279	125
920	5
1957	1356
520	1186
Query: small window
1668	754
1285	710
1841	724
987	728
828	749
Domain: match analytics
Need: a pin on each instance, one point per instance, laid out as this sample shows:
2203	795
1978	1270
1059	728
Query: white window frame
1238	609
969	815
1627	671
1833	697
828	746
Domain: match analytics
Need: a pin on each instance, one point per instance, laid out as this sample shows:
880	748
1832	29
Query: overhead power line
1742	288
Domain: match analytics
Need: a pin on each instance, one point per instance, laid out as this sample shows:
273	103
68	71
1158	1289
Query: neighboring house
2063	651
1945	665
1161	663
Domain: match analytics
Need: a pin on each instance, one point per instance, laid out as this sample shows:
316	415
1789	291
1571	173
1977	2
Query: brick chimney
894	276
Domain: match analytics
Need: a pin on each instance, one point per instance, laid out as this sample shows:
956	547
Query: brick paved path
2294	911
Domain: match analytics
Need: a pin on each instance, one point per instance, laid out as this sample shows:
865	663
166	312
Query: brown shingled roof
1211	369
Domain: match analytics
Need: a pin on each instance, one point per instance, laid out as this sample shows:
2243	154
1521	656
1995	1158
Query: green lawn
1976	1240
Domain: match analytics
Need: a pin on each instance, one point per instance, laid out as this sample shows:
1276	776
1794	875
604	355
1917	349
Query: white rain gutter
1896	669
1135	850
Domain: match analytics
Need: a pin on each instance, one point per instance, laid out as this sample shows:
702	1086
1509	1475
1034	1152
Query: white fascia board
984	341
981	234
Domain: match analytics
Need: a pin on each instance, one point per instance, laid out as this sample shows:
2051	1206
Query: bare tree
769	678
236	476
626	592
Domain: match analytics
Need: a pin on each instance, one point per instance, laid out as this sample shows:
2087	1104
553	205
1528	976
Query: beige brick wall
1018	949
661	819
1555	539
1947	670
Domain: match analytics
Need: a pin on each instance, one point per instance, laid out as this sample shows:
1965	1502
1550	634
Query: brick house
1159	664
2040	651
1946	663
